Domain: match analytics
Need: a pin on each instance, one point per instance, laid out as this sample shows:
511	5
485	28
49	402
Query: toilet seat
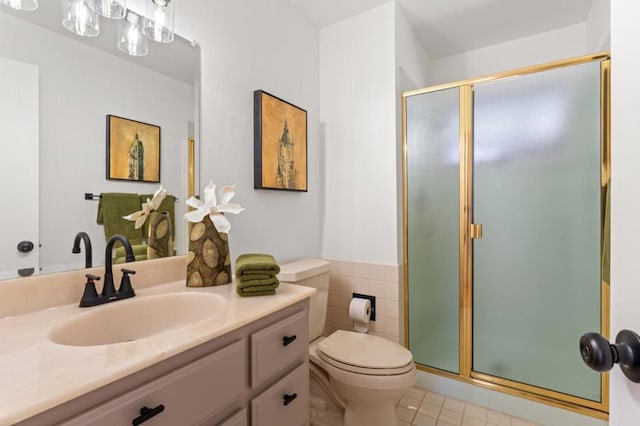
364	354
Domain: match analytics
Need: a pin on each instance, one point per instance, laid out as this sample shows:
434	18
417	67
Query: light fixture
26	5
130	38
158	23
79	18
113	9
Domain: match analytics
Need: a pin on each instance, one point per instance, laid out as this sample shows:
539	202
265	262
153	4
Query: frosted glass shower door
432	169
536	189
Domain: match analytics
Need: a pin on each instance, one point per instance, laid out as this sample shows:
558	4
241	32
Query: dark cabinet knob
600	355
286	340
147	413
288	399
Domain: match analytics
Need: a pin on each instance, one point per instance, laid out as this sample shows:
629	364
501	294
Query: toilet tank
310	273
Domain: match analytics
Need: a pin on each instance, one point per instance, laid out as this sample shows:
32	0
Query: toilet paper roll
360	312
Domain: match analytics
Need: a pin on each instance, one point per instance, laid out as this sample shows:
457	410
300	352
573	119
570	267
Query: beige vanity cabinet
185	396
257	375
276	349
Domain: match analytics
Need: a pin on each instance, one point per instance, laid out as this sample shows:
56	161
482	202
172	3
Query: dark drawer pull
288	339
288	399
146	413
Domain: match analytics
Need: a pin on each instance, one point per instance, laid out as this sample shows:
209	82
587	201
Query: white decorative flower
213	208
151	205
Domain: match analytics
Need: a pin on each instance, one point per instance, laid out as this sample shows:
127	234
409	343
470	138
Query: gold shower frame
580	405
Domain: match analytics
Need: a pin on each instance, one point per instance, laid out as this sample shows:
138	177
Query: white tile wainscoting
381	281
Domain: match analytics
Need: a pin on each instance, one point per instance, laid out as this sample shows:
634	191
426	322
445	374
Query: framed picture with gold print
279	144
133	150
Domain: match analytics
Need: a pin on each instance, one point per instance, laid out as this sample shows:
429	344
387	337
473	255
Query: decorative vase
160	238
208	260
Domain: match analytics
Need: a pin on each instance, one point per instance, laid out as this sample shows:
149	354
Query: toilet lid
365	351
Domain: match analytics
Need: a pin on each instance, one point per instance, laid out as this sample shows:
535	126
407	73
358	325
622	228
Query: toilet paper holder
372	299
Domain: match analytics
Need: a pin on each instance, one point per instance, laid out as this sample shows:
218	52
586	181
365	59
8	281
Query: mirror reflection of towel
111	208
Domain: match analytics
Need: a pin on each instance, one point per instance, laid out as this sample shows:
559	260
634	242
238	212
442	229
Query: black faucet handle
90	294
126	290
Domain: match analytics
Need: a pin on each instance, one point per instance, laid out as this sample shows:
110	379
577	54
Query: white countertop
37	374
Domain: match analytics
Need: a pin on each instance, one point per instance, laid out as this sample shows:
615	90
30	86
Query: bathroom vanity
245	364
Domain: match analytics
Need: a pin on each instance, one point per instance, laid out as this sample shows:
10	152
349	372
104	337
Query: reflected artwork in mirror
58	88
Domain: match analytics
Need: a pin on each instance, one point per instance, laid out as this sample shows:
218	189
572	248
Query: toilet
358	374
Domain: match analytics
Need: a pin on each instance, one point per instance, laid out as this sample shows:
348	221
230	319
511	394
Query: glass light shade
158	25
26	5
113	9
130	38
79	18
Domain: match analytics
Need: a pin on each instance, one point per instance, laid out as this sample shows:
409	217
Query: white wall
599	26
248	45
550	46
410	54
625	204
357	94
79	86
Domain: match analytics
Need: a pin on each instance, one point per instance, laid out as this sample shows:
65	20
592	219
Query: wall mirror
58	90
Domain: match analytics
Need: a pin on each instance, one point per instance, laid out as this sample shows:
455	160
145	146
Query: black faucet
108	289
90	296
87	247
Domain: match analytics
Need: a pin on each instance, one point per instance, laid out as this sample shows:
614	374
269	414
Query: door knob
25	246
600	355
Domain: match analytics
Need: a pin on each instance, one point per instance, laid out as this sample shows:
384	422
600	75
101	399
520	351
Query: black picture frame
280	159
133	150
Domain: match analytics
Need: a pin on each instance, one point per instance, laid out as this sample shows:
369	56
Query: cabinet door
277	347
183	397
284	403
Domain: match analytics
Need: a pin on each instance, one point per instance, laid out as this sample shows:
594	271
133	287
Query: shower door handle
476	231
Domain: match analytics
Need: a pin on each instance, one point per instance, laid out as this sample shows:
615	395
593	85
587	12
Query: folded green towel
123	258
138	250
254	291
256	264
248	277
271	282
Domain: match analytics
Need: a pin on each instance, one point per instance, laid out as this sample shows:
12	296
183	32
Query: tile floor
423	408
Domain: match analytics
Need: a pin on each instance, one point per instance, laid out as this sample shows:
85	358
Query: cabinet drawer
238	419
269	408
278	346
188	394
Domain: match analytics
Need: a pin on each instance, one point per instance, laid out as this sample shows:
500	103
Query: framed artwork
279	144
133	150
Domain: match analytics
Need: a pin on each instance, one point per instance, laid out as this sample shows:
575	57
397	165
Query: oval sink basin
137	318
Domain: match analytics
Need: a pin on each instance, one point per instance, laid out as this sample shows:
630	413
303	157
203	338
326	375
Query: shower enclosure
506	180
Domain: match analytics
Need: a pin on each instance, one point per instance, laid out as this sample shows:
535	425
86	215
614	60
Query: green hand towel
111	208
138	250
270	283
256	264
247	277
254	291
123	259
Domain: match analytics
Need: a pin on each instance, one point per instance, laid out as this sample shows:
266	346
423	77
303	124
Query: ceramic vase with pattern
160	238
208	260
